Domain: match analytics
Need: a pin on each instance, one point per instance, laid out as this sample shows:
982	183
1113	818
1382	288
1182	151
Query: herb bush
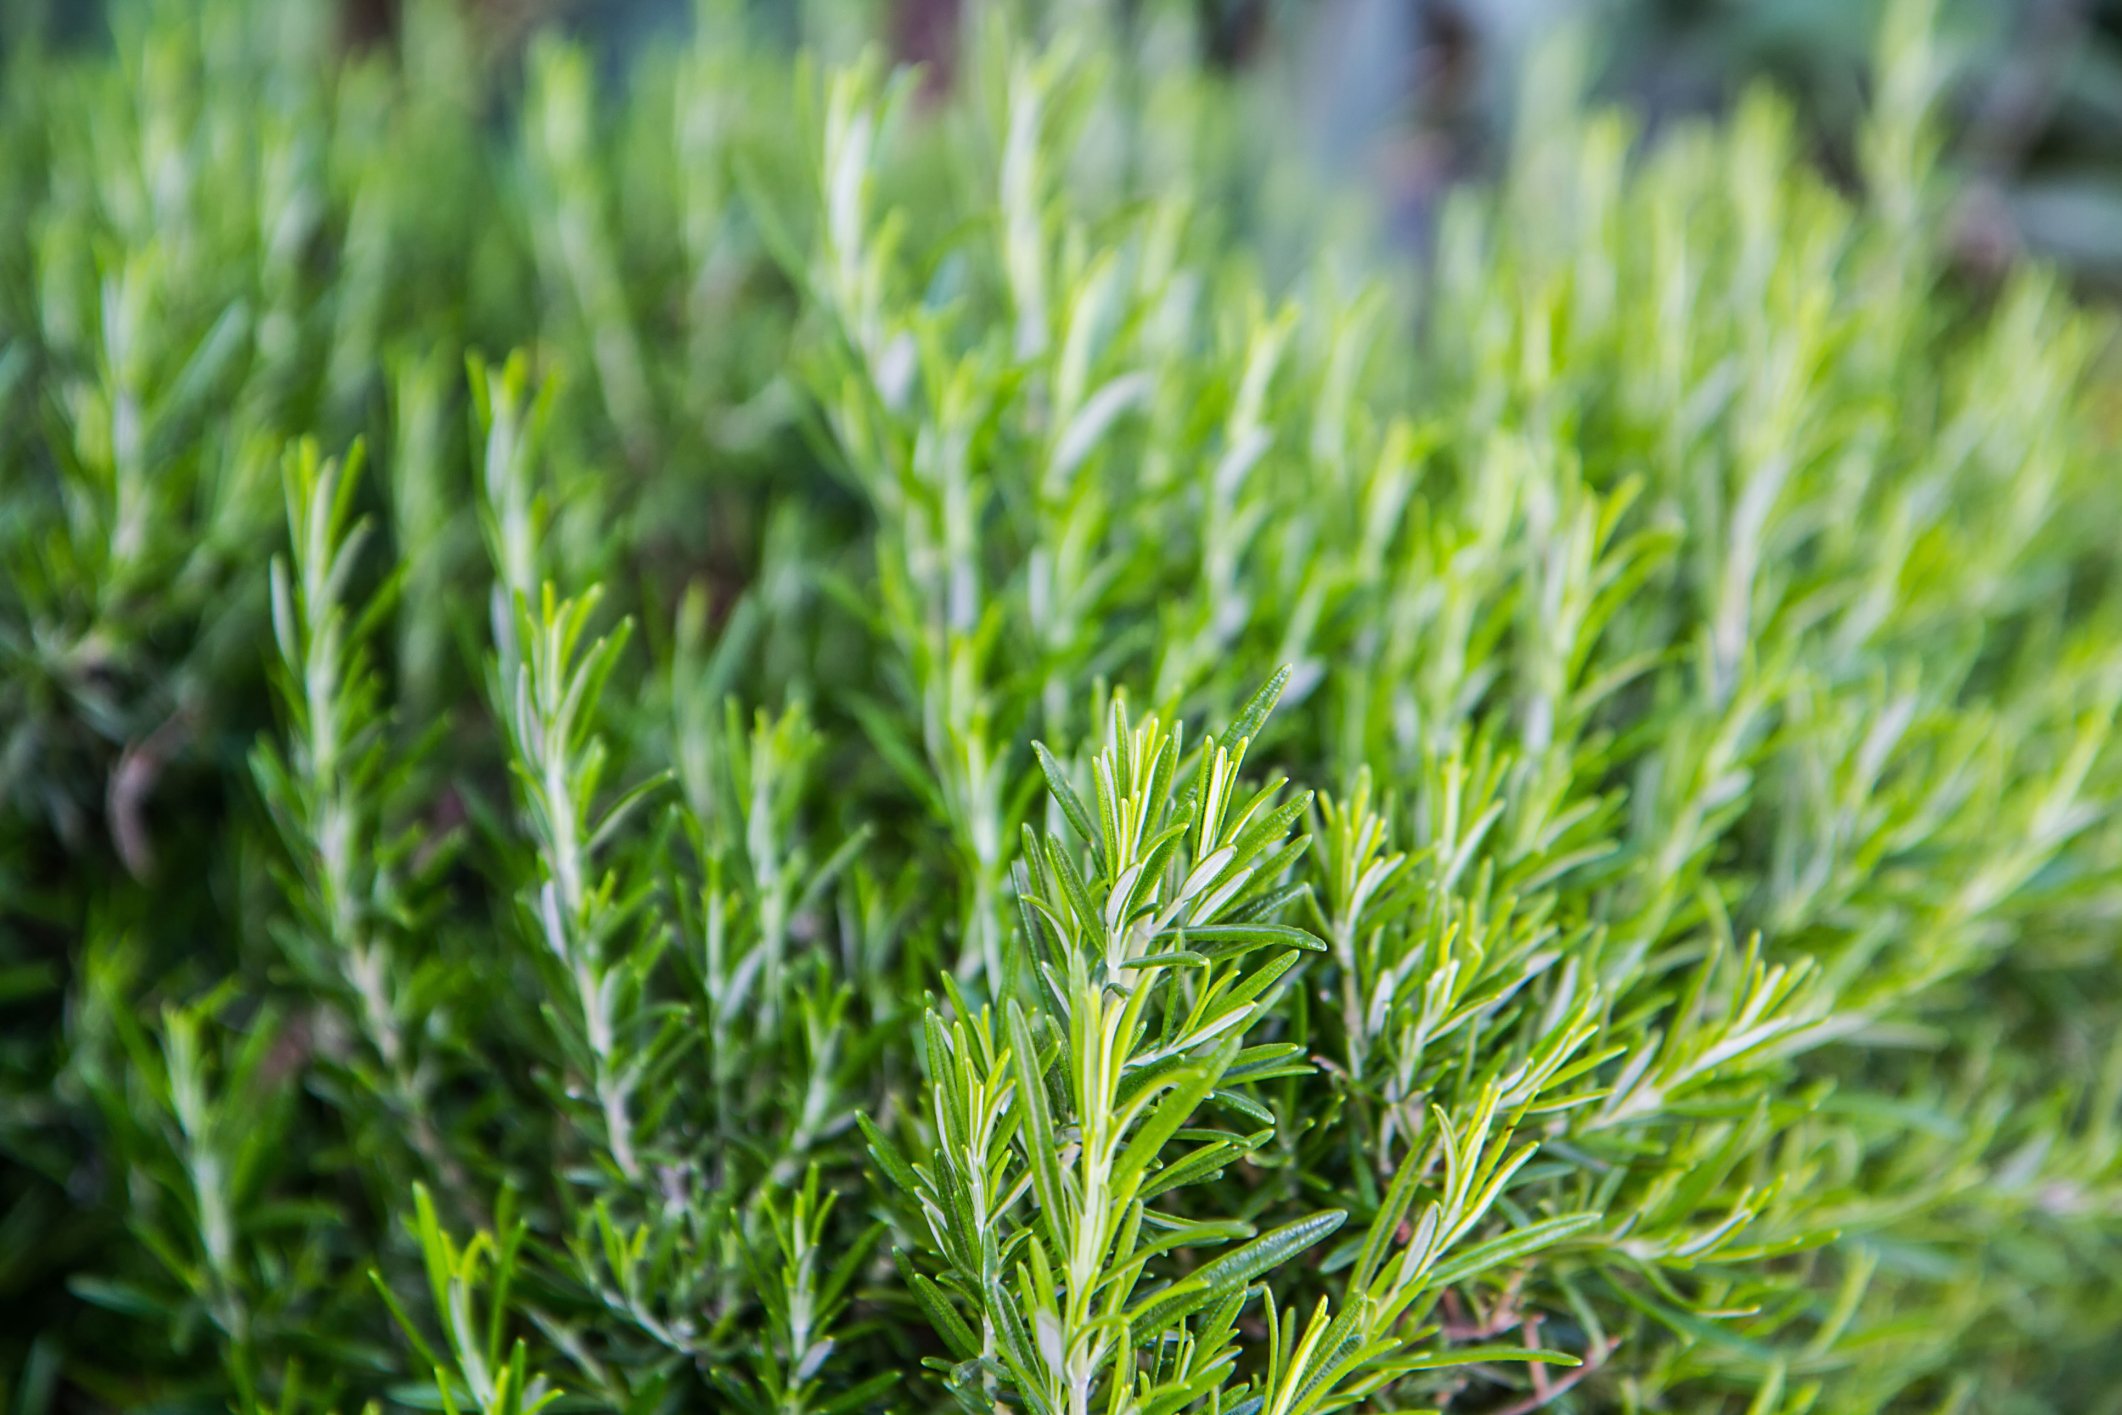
961	785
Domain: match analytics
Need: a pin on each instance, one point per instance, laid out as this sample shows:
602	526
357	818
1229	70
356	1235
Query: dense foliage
764	738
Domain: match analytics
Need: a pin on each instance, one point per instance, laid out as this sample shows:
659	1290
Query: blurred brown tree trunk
925	32
364	24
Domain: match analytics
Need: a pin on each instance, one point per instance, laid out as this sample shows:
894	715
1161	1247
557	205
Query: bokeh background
1402	98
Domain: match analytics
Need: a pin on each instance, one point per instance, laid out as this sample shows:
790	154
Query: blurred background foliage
1407	97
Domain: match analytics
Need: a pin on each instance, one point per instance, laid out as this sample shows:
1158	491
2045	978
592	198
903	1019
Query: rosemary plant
759	936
